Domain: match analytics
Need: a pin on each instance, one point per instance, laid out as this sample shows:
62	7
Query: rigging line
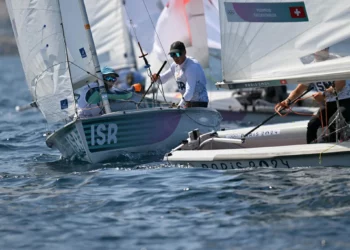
165	54
276	48
134	31
155	30
148	70
131	23
160	42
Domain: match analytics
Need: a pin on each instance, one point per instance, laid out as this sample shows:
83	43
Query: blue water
47	203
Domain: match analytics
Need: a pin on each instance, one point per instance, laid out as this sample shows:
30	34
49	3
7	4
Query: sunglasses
177	54
110	78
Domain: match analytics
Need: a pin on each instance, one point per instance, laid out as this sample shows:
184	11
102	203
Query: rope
335	144
291	110
155	30
149	73
198	122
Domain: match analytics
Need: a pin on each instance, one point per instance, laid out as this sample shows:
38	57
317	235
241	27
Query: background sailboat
197	24
58	57
269	44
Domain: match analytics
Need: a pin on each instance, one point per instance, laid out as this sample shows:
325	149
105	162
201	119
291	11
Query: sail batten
277	40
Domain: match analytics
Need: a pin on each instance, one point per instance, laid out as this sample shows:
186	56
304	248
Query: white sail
271	42
111	34
182	21
42	39
212	19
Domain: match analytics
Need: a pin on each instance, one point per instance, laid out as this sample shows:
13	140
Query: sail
270	43
111	34
212	19
42	47
184	21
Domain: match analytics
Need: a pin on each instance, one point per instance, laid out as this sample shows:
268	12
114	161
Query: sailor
325	92
189	76
88	98
128	78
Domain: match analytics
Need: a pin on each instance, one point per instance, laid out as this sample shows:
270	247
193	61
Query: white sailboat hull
277	146
305	155
149	131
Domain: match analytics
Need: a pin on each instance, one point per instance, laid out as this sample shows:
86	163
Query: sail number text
102	134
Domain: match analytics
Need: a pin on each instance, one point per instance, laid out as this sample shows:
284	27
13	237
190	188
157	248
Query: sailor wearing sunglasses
189	76
88	98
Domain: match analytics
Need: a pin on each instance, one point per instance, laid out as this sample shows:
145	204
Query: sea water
48	203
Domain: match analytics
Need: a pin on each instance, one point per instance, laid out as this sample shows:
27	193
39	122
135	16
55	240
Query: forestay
111	35
45	50
269	43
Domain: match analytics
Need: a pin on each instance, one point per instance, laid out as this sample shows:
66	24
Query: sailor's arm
294	94
339	85
163	77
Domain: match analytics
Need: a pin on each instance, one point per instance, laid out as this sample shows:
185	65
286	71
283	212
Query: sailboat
268	44
58	55
197	25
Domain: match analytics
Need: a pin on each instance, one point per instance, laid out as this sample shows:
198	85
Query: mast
96	63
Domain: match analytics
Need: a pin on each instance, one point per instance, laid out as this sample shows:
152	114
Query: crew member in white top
189	76
325	92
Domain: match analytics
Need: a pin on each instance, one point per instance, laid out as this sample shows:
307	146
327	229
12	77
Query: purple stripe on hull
232	116
165	125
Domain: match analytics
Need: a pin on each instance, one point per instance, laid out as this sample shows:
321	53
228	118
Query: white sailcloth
267	43
111	34
182	21
46	47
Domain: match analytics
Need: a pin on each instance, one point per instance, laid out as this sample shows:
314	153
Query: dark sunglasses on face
177	54
110	78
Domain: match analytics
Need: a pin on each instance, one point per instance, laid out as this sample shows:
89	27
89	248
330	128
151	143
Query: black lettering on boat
232	165
239	164
263	163
223	165
213	165
274	163
251	164
205	165
285	163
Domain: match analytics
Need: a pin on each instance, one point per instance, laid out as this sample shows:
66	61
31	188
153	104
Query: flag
297	12
283	82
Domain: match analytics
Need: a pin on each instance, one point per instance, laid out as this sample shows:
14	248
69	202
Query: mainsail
269	43
54	52
111	34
